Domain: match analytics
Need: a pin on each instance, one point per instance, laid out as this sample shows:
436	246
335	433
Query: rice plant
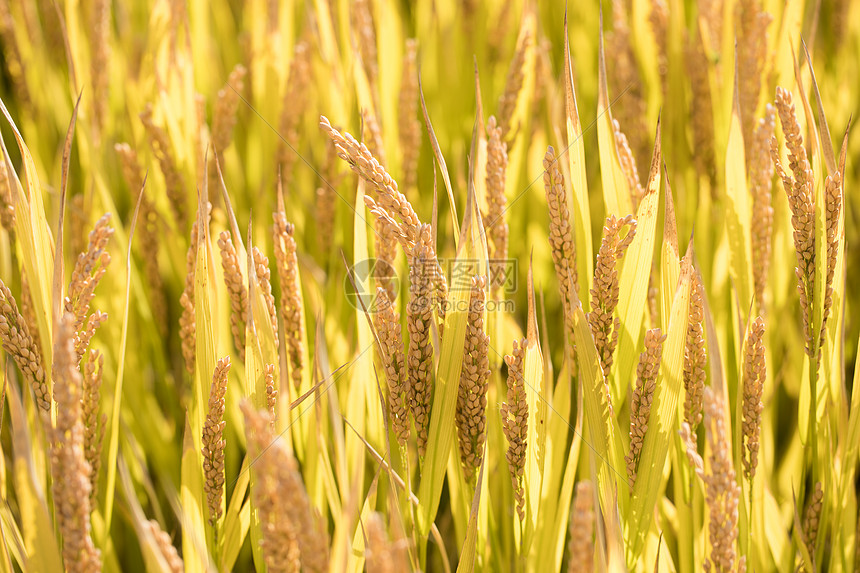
432	285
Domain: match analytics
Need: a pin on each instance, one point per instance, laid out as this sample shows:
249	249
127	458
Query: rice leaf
43	552
440	159
192	499
359	548
670	262
468	553
448	374
663	422
152	555
578	203
604	433
635	274
113	444
537	398
34	234
237	520
361	395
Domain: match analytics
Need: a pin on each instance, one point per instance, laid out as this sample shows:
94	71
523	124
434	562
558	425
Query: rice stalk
389	200
187	321
7	203
324	207
562	246
833	199
761	176
363	25
513	85
382	554
27	310
388	204
146	233
94	424
711	24
294	538
515	420
722	492
752	38
754	374
407	110
387	324
69	467
628	165
701	115
372	136
799	189
88	272
625	78
166	157
224	116
295	104
12	55
812	519
100	62
76	219
385	245
165	547
271	392
496	225
214	442
264	279
658	16
236	290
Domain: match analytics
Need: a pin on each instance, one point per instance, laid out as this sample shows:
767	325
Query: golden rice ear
754	375
695	358
407	116
214	443
497	164
236	289
761	170
471	414
643	397
292	302
419	317
514	82
582	522
187	322
515	417
560	234
605	290
799	187
20	346
163	150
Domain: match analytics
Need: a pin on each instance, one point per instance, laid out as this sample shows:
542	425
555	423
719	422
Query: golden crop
434	285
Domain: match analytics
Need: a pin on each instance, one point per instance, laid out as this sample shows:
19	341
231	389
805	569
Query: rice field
435	286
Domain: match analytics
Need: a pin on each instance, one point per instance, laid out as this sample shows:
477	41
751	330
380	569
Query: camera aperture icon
363	278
